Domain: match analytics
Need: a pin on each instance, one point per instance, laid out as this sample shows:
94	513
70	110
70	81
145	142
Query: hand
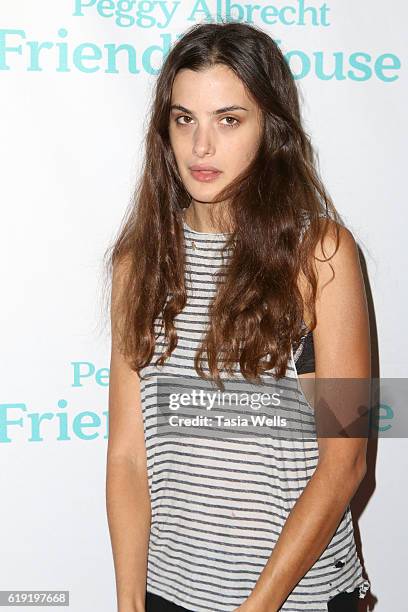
246	606
250	605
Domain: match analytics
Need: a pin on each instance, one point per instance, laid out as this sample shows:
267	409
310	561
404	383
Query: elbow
351	472
358	466
126	461
357	472
361	468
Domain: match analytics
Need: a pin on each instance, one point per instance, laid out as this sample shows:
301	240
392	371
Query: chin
206	193
204	198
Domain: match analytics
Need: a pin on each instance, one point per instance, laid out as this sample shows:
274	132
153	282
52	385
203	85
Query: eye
182	117
233	125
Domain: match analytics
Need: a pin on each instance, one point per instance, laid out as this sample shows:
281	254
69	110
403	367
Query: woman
225	247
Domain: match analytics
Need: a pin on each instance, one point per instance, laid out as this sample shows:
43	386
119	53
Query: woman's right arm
127	492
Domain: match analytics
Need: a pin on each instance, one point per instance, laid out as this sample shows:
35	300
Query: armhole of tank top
298	383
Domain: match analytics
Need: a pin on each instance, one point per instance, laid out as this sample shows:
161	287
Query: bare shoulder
336	253
335	261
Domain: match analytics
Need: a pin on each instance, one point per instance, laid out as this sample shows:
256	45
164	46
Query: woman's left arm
342	350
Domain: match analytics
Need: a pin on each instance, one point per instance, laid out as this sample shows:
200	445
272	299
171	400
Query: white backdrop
71	131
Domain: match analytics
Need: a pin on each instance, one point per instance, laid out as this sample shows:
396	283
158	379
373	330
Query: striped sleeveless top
219	502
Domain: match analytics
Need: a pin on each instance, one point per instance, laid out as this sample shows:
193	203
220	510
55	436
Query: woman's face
203	132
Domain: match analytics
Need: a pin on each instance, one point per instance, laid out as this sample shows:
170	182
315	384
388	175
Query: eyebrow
219	111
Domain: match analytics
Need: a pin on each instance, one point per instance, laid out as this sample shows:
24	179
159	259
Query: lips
204	167
204	173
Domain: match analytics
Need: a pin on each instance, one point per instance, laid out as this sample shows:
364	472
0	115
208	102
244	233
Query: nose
203	141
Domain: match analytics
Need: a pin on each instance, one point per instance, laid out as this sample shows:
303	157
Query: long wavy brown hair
258	309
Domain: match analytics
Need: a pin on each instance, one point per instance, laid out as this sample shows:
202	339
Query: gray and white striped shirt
219	504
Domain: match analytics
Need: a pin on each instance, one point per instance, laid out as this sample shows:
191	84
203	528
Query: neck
198	216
